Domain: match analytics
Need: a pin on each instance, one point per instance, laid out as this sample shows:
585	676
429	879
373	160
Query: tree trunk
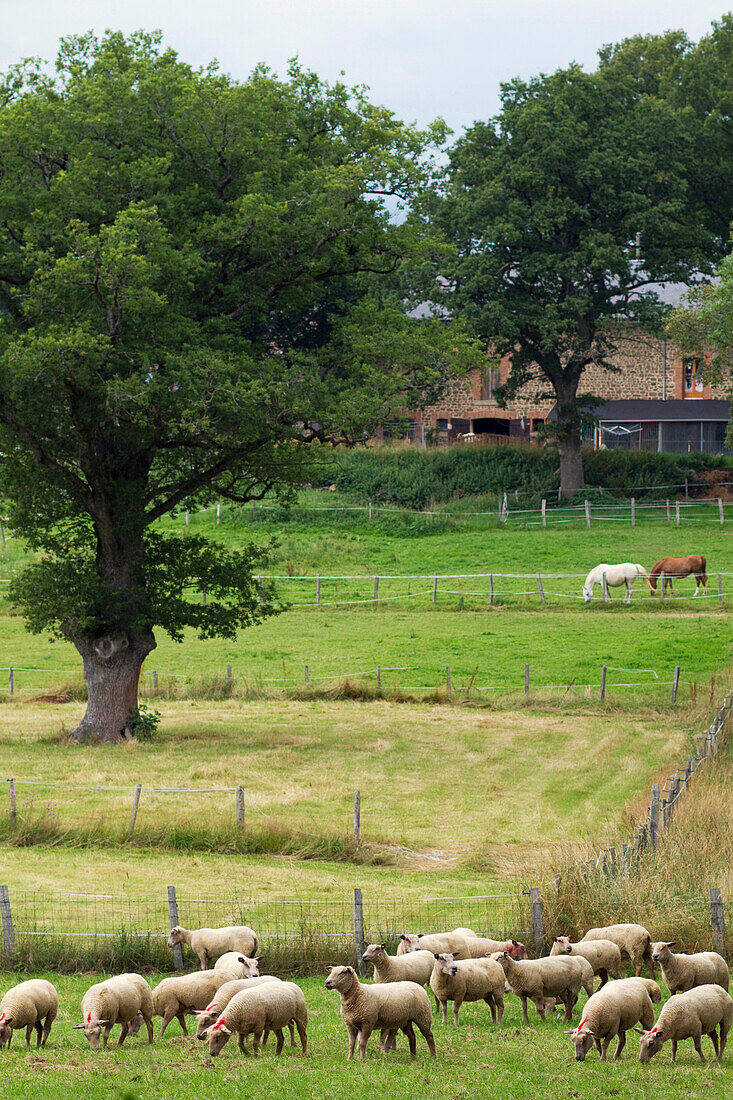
571	466
112	670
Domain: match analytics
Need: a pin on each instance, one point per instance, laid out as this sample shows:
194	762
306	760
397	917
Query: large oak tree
198	279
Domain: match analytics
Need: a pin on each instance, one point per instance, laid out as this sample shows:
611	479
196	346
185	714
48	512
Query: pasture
476	1059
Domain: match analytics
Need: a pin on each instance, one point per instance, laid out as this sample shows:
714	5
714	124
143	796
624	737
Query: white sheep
683	972
234	964
31	1004
603	955
460	980
632	939
416	966
117	1000
480	946
269	1007
536	980
436	943
210	943
691	1015
612	1011
390	1007
223	996
185	993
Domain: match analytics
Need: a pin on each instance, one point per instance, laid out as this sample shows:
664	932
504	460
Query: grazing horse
616	575
667	568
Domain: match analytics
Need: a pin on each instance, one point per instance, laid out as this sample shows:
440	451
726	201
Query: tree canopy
198	279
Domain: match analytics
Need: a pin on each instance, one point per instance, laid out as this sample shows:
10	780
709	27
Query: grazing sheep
537	979
234	964
269	1007
26	1005
611	1011
460	980
210	943
436	943
174	997
416	966
390	1007
603	955
691	1015
117	1000
683	972
633	940
479	947
223	996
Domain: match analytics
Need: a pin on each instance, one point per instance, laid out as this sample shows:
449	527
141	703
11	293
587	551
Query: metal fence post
538	928
7	920
359	929
717	920
173	917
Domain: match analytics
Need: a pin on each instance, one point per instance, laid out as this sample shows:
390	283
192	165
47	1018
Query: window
490	381
693	380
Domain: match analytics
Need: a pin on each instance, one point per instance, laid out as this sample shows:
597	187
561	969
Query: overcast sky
421	58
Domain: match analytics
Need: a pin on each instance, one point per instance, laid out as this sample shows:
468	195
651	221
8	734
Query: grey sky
421	58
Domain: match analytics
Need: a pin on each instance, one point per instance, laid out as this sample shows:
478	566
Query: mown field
477	1059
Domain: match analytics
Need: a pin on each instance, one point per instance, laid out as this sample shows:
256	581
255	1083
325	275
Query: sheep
416	966
117	1000
26	1005
603	955
223	996
390	1007
269	1007
612	1011
536	979
684	972
210	943
234	964
479	947
460	980
690	1015
633	940
173	997
439	942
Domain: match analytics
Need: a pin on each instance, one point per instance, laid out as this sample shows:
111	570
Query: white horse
616	575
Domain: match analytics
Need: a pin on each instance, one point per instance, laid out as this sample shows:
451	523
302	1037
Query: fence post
544	512
379	676
218	513
602	692
677	512
491	588
526	679
259	589
447	678
542	591
654	816
720	510
318	588
717	919
376	589
135	804
11	686
633	512
435	587
173	918
359	929
604	586
203	594
13	807
239	808
587	513
155	679
370	509
7	920
675	682
357	816
2	532
538	929
669	518
720	589
687	495
229	673
307	674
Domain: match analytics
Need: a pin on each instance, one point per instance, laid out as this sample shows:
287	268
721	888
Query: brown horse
667	568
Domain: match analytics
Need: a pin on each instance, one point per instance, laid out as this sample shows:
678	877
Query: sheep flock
233	998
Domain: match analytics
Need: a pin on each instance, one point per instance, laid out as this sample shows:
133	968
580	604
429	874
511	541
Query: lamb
537	979
416	966
31	1004
390	1007
173	997
460	980
612	1011
439	942
234	964
210	943
690	1015
223	996
633	940
684	972
479	947
269	1007
603	955
117	1000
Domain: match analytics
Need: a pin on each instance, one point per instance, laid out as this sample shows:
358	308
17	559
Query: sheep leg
603	975
353	1032
499	1001
291	1026
303	1035
123	1033
28	1032
280	1041
105	1037
621	1043
204	959
437	1003
568	1001
714	1036
149	1025
456	1005
256	1042
697	1040
180	1016
604	1047
723	1039
364	1033
385	1038
427	1034
627	597
444	1008
411	1039
490	1002
167	1017
539	1003
265	1037
647	957
46	1029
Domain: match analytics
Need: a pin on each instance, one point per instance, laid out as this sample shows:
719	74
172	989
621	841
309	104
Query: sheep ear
639	1030
381	947
672	943
79	1027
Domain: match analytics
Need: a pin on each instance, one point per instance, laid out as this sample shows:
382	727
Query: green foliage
143	723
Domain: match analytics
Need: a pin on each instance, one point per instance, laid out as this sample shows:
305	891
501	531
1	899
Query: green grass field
476	1059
